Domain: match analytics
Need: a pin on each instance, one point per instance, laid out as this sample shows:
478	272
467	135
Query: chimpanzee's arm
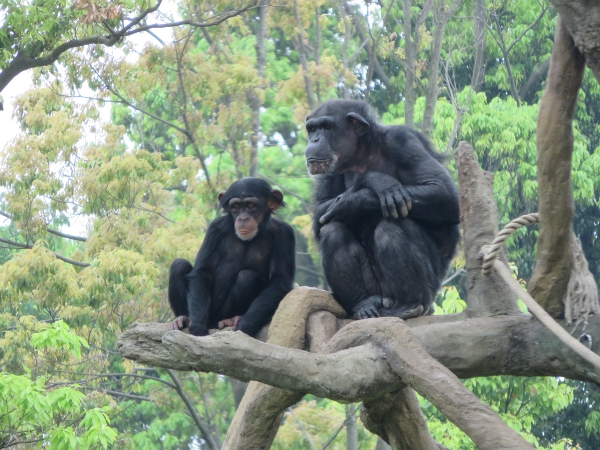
428	185
198	297
282	268
335	203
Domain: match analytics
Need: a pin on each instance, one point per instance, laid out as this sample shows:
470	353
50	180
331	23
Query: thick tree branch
554	133
479	217
536	75
582	18
382	357
24	62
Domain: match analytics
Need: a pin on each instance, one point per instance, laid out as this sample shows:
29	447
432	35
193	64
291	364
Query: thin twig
306	435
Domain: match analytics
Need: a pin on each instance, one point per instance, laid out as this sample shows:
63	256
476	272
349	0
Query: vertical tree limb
411	47
479	217
397	418
442	16
550	277
258	417
253	98
303	60
478	76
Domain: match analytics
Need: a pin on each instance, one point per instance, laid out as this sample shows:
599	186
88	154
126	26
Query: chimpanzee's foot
396	309
233	322
180	323
369	307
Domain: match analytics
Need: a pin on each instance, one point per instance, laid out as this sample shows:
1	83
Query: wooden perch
550	278
383	355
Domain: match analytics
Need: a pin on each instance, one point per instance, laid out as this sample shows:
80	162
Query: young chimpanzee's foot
180	323
233	322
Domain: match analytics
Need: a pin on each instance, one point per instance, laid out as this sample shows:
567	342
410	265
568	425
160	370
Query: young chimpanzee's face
250	202
247	214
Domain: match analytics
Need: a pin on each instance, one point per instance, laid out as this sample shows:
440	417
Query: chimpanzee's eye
235	208
251	206
311	128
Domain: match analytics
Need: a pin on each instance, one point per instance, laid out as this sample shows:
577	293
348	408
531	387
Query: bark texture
582	18
257	419
479	217
555	147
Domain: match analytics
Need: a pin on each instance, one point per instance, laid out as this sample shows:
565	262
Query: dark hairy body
387	211
244	268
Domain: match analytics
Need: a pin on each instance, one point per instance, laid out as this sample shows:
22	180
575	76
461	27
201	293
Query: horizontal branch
383	357
52	230
22	62
29	247
485	346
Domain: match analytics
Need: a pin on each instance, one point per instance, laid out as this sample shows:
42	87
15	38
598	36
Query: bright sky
9	127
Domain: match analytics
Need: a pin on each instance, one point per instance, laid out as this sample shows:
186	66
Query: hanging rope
581	298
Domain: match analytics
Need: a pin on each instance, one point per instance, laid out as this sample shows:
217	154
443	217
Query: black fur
387	211
234	277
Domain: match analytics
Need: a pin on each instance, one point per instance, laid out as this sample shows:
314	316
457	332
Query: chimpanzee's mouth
318	166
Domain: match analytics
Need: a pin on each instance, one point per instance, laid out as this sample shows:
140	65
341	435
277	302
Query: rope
493	250
580	300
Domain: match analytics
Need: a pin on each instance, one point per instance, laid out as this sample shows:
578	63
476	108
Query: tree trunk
351	429
441	20
548	283
582	18
410	49
478	77
253	98
303	60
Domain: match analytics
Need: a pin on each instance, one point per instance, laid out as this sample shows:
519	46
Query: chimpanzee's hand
233	322
335	209
180	322
391	193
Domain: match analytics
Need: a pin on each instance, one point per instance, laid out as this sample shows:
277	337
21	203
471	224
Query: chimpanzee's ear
360	125
221	194
276	201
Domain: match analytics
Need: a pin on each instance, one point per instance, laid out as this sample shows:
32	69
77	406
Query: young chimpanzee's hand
233	322
180	323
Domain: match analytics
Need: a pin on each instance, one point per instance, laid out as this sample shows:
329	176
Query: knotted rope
581	298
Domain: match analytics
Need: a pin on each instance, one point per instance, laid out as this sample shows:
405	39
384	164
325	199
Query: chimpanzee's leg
178	286
409	265
245	289
242	309
347	267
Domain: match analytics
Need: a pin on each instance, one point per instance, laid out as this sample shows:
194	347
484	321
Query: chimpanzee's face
250	202
247	214
333	139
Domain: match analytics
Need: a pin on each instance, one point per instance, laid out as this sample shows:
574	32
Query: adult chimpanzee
243	269
387	211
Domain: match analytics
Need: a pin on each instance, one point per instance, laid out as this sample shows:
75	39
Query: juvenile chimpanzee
387	211
243	269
